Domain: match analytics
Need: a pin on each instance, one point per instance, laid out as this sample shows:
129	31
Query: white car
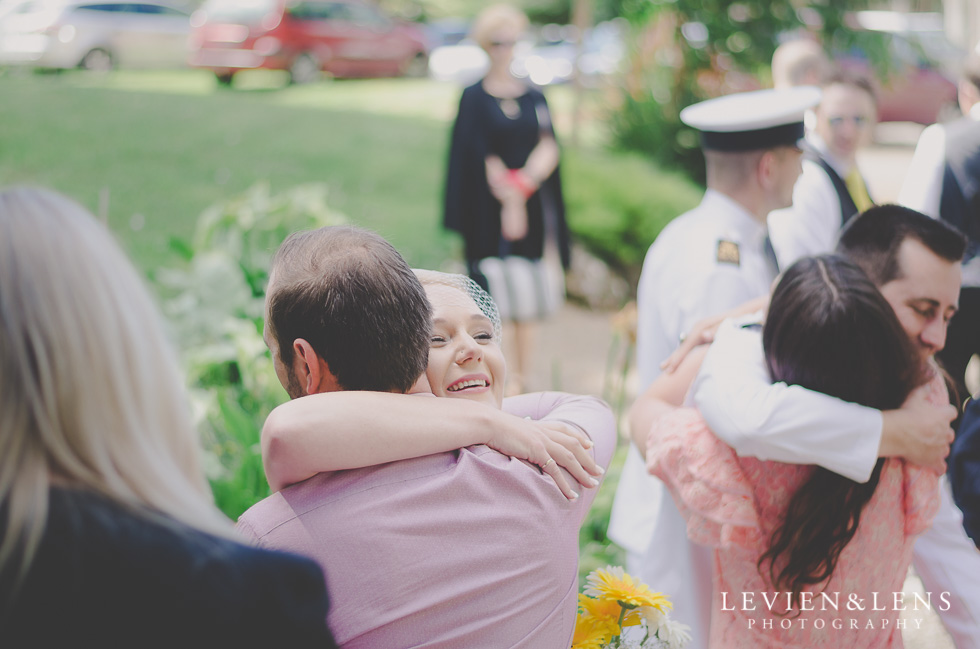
93	35
553	61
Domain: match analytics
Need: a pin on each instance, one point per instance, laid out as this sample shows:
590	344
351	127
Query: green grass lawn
152	150
160	148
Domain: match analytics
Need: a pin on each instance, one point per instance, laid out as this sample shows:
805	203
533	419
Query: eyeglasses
496	44
837	122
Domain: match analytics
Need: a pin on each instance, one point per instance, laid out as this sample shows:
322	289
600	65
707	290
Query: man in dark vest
944	182
830	190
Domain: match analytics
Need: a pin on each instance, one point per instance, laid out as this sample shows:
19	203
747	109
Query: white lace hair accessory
468	287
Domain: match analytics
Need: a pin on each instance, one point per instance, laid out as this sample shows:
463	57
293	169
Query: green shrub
214	305
595	549
618	203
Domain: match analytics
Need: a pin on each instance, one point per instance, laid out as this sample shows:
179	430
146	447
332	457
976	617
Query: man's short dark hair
872	239
350	294
853	78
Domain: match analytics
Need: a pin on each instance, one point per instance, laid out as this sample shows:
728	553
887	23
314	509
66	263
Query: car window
101	7
907	51
238	11
312	11
339	11
169	11
364	16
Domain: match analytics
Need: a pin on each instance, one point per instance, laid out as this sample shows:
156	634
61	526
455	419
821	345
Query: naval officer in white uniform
706	261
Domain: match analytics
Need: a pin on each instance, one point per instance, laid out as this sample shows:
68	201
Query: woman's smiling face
465	360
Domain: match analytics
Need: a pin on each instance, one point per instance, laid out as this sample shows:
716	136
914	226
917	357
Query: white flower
653	617
674	633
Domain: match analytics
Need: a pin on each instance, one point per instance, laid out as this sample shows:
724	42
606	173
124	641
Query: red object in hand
520	180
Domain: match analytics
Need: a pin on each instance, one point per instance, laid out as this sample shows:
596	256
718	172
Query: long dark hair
829	329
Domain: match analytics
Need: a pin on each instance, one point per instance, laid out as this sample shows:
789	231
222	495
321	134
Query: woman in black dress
503	192
108	535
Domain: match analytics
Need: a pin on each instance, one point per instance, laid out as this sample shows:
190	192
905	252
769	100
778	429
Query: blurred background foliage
538	11
213	300
685	51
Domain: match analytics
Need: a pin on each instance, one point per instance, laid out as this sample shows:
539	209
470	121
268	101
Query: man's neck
750	200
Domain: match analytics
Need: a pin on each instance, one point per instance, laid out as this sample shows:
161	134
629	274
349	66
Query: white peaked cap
761	119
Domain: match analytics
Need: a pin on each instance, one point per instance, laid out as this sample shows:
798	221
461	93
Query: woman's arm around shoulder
585	413
348	430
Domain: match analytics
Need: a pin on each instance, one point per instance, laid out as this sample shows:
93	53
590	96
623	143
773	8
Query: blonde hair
467	287
799	62
90	392
495	17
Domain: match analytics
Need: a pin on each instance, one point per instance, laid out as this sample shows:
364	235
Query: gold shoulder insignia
727	252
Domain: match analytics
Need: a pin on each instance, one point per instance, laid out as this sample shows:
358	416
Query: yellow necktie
858	190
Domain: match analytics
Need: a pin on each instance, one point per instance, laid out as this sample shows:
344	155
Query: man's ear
766	167
311	371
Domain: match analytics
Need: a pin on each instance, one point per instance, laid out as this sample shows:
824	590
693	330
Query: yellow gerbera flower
608	611
592	633
615	585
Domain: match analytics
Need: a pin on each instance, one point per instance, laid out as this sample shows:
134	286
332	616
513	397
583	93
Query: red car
922	85
343	38
919	89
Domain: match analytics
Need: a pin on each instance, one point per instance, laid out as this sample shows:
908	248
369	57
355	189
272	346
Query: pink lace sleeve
706	481
921	498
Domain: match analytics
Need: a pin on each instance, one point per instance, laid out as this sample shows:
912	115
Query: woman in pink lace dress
804	557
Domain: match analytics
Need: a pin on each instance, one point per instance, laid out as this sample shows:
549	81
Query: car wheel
224	78
97	60
305	68
417	66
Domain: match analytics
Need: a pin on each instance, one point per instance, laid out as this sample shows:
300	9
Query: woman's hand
702	333
498	180
704	330
513	220
552	445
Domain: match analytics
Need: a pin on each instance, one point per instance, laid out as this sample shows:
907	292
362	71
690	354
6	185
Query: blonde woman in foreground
108	532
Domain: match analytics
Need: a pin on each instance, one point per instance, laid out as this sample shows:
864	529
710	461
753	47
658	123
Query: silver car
93	35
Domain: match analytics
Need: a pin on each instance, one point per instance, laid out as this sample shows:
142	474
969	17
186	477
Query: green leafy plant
595	548
617	204
214	304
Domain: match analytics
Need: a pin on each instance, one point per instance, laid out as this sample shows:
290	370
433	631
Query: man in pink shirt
469	548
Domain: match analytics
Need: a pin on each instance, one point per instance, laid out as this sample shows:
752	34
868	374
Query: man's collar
818	144
725	202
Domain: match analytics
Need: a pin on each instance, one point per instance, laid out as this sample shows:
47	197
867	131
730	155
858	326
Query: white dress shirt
923	186
811	226
683	280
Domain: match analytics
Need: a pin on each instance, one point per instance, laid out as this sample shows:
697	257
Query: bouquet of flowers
616	610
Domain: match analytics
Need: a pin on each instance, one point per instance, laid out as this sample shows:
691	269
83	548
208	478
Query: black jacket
105	576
